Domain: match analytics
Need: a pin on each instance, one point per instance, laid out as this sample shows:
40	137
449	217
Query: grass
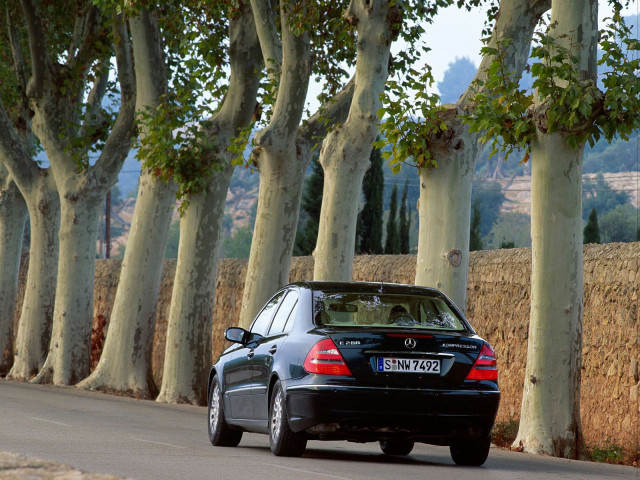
608	452
504	433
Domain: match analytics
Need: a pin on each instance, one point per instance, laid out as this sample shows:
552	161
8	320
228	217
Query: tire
283	442
220	434
470	452
396	447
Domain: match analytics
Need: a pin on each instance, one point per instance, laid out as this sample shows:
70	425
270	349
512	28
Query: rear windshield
385	310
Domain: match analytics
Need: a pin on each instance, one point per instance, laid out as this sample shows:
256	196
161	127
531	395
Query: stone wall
498	308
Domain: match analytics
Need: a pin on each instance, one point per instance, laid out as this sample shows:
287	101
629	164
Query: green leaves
410	120
500	107
174	146
568	102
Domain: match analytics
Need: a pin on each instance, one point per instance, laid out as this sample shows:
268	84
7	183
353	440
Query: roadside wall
497	306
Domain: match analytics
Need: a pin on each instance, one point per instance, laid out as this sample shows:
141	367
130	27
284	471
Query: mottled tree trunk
187	357
81	191
281	172
125	363
445	191
13	214
274	232
550	414
34	327
345	152
444	217
69	353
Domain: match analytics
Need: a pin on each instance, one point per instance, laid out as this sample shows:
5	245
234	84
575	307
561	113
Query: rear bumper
375	413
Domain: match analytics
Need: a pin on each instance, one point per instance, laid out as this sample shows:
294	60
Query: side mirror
236	335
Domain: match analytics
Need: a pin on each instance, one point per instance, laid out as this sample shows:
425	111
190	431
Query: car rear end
393	361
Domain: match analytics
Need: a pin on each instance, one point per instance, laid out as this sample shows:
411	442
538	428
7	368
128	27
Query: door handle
273	349
251	353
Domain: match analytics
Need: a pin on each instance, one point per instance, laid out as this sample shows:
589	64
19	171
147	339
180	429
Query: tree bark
281	175
68	360
81	196
34	327
444	210
188	347
550	414
345	152
13	214
125	364
445	191
39	191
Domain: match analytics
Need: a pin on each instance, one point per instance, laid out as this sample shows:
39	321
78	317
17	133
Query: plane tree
311	38
552	126
423	133
64	92
13	209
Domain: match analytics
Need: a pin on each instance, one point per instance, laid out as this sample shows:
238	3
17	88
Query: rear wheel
470	452
283	441
396	447
220	434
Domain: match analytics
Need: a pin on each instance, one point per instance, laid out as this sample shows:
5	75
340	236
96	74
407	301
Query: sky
457	33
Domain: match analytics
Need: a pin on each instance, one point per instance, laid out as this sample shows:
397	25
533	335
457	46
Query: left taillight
325	358
486	366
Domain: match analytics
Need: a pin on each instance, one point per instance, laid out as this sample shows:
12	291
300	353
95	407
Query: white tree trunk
273	236
34	327
125	363
13	214
81	198
445	191
341	192
443	221
187	357
68	360
281	176
550	414
345	152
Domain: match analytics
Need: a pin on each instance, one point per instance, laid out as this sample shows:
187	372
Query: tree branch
270	44
245	59
13	153
333	112
16	52
119	142
37	47
516	21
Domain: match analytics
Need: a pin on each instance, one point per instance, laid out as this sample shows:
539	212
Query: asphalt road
147	440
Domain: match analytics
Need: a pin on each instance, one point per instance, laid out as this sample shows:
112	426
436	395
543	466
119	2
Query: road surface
141	439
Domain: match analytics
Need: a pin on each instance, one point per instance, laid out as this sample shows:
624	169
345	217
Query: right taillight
325	358
486	367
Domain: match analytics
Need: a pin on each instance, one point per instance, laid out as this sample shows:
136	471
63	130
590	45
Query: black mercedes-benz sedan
396	364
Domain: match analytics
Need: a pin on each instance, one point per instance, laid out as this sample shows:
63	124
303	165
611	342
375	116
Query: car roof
368	287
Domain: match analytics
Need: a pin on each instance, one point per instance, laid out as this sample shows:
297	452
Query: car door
239	371
266	351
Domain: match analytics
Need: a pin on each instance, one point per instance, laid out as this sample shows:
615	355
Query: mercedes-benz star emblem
410	343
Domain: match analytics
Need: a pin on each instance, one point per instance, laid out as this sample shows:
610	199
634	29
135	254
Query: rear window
385	310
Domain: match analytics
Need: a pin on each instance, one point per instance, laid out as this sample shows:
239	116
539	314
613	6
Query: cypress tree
591	232
369	226
392	244
307	237
475	237
405	220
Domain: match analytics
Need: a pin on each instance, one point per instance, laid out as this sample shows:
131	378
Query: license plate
409	365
